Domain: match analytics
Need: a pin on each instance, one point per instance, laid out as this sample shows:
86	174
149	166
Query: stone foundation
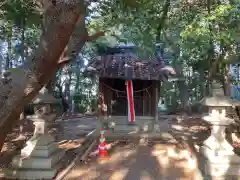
219	164
31	174
40	158
42	162
121	124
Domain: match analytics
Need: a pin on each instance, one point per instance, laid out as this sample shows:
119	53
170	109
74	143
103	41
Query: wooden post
105	103
143	101
100	101
156	85
102	107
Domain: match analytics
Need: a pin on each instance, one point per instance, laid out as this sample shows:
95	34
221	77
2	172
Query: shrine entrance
116	101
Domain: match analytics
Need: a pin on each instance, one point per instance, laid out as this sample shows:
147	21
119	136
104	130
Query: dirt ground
139	162
157	162
128	162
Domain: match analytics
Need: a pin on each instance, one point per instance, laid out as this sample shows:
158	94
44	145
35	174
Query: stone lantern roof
218	99
44	97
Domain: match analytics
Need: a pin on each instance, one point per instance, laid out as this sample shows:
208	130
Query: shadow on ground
128	162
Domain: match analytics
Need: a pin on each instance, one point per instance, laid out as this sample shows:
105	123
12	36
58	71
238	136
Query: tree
200	37
21	85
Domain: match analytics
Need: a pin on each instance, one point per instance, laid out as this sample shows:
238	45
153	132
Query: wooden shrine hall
129	88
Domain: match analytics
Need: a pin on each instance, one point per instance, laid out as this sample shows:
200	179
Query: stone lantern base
218	159
39	159
219	163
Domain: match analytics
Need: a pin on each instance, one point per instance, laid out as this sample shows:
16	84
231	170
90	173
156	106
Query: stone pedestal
218	158
39	159
156	128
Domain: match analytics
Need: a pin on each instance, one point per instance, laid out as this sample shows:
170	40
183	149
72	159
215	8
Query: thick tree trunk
23	84
51	84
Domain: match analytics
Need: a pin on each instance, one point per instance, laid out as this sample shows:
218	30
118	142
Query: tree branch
162	20
95	36
69	55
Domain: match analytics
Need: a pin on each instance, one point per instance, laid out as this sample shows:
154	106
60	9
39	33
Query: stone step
38	162
163	137
44	151
31	174
136	127
125	121
139	123
40	141
126	128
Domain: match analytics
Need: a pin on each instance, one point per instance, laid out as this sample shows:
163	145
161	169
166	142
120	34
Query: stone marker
219	160
39	159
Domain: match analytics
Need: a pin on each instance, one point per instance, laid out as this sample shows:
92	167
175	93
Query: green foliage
21	11
83	103
133	22
220	26
20	29
191	37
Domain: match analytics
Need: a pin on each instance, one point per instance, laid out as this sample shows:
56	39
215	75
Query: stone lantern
218	158
39	158
42	104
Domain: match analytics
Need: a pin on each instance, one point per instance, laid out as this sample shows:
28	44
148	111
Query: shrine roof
122	64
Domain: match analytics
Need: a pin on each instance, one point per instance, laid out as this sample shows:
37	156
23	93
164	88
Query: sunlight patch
119	174
145	176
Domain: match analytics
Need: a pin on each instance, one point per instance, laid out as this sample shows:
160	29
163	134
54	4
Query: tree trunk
227	83
22	52
210	57
165	10
21	85
9	48
51	84
77	82
183	88
1	57
68	83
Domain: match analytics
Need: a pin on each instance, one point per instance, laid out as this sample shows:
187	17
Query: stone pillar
46	109
218	159
39	159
